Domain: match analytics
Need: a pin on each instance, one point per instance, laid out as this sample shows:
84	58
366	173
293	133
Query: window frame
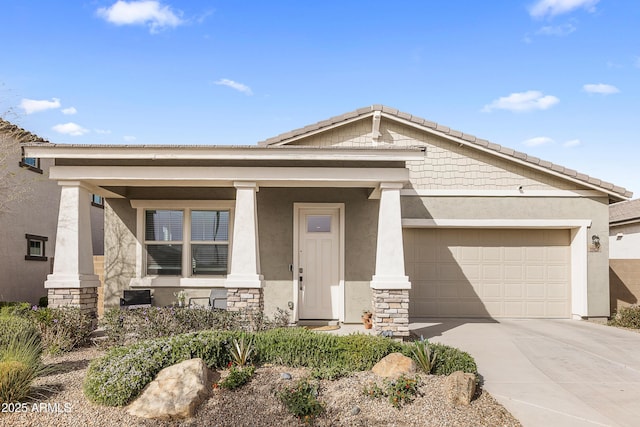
186	278
23	164
100	203
35	238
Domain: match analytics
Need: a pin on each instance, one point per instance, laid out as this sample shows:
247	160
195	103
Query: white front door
319	263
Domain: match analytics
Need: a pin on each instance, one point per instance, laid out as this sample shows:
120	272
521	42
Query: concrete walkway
551	372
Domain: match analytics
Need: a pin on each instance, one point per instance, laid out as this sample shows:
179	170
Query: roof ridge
444	130
23	136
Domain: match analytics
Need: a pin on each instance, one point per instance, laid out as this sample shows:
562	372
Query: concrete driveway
551	372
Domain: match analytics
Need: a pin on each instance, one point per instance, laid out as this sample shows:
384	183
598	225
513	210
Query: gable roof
451	134
20	135
624	212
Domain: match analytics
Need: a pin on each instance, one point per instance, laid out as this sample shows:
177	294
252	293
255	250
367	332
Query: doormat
323	328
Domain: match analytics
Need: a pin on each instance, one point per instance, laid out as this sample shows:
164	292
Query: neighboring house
29	208
624	253
371	210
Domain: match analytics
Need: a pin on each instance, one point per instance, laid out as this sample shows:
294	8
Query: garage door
488	273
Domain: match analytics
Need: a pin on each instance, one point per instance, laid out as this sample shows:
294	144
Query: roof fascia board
190	153
505	156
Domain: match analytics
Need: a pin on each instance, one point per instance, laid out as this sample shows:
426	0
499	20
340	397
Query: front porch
265	258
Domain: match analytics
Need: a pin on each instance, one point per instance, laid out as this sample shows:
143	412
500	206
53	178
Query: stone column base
84	298
391	312
245	300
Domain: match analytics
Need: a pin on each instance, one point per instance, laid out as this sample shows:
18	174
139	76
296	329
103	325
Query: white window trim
143	280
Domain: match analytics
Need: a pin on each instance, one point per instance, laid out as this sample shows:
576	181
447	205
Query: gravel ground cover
62	403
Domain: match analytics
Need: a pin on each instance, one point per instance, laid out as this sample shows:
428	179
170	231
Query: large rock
393	365
460	387
175	393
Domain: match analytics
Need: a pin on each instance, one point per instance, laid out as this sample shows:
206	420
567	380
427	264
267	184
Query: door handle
300	283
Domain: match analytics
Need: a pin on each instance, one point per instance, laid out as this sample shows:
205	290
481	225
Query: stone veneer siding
391	311
84	298
245	299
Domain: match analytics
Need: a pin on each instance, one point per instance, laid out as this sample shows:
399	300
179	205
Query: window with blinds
204	233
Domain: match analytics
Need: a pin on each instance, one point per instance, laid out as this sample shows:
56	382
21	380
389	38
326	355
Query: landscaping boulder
460	387
175	393
393	365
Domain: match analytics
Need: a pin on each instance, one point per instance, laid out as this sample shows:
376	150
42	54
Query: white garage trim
579	245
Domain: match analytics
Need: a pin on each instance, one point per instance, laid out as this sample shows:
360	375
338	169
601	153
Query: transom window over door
186	242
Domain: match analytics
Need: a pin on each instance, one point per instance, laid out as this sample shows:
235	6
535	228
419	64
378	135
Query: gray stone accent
245	299
391	311
84	298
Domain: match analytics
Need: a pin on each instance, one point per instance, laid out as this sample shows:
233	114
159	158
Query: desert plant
14	308
241	350
399	392
16	327
627	317
62	329
422	354
302	401
20	365
238	376
451	359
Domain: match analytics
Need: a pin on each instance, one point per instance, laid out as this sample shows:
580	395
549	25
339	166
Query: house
624	253
372	210
29	203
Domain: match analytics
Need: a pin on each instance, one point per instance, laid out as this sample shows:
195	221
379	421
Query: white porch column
245	261
389	272
73	282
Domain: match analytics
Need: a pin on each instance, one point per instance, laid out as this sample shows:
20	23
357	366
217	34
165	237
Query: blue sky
557	79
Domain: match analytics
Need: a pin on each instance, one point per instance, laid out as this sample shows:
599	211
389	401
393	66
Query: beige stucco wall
34	212
120	249
594	209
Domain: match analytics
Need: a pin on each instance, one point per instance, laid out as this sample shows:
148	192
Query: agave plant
241	351
423	355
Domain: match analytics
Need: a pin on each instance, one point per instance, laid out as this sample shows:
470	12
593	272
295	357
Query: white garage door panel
488	273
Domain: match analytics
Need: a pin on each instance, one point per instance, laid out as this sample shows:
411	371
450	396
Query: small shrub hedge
20	365
128	326
120	375
627	317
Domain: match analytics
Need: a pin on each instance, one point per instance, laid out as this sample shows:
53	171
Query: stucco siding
624	241
34	212
120	249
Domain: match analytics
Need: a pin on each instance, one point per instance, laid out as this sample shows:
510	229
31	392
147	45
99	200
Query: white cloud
33	105
69	111
129	138
146	12
70	128
600	88
522	101
572	143
538	140
235	85
557	30
552	8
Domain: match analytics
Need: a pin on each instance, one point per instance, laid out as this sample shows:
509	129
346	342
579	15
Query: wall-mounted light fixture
595	239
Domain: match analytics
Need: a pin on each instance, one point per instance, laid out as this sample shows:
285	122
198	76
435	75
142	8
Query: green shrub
121	374
399	392
20	365
302	401
14	308
627	317
16	327
238	376
62	329
451	359
43	301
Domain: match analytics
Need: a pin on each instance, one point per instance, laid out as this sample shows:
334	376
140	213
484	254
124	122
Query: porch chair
136	298
217	299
